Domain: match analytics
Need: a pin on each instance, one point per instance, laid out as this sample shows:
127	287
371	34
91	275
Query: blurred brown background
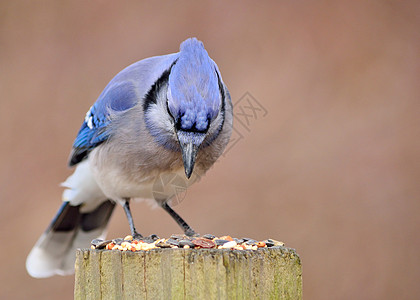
332	169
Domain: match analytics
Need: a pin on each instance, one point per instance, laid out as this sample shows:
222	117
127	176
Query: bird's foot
150	239
191	233
137	236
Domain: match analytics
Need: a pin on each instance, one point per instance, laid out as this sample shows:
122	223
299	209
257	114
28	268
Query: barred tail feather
54	253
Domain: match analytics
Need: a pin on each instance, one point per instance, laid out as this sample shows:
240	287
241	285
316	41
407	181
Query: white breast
160	186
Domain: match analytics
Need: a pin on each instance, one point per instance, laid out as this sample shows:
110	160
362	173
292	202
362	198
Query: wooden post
266	273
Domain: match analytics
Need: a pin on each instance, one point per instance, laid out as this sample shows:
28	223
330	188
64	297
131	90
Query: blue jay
169	114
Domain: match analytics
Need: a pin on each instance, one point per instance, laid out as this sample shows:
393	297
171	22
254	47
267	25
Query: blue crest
193	94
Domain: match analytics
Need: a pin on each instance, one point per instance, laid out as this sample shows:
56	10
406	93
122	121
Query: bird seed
207	241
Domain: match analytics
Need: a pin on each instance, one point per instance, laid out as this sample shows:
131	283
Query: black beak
189	154
189	148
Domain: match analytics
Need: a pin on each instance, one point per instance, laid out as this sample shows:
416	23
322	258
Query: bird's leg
187	229
127	210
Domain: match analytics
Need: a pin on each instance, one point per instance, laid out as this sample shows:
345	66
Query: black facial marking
193	127
222	95
151	95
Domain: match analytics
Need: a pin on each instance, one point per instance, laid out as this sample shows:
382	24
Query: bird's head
194	102
194	99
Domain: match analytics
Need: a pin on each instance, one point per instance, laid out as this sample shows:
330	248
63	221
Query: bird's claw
137	236
191	233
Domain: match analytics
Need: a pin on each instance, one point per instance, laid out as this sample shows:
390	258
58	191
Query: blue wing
117	96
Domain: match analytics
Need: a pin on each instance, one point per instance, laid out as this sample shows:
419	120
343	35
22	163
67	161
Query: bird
163	115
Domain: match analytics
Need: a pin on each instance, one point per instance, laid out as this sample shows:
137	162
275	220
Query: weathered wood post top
266	273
